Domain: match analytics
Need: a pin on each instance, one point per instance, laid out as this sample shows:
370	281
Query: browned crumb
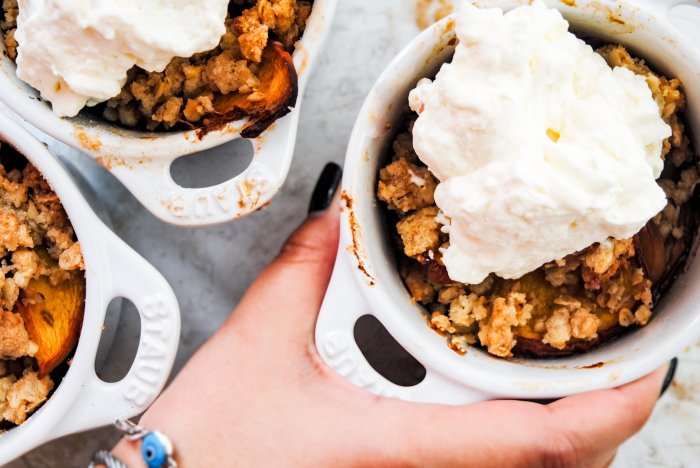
14	340
467	310
21	396
420	288
420	232
441	323
496	332
8	24
603	261
252	34
72	258
405	186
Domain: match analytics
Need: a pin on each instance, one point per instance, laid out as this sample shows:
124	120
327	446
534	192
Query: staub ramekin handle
100	403
150	181
342	306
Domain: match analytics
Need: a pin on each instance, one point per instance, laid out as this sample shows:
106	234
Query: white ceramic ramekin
82	401
366	280
141	160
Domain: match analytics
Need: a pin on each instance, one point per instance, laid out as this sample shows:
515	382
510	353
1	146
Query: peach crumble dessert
522	305
199	68
42	289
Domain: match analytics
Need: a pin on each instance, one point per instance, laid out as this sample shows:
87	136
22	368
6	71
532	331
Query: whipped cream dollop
541	149
77	52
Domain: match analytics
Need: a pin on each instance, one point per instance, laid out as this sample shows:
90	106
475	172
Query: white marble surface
210	268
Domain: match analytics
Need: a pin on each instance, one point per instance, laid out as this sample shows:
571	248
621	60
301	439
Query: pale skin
258	394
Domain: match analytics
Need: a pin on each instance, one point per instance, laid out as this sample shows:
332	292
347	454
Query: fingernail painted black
669	376
325	187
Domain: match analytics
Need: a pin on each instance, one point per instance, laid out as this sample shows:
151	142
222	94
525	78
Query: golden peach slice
651	250
277	93
53	316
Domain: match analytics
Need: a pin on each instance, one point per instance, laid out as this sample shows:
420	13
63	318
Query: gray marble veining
210	268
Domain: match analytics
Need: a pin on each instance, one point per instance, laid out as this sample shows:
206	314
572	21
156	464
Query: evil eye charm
156	450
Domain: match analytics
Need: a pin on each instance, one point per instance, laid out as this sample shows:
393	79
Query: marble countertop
210	268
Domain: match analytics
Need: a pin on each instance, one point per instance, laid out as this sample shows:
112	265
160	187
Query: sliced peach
534	347
53	316
273	99
651	251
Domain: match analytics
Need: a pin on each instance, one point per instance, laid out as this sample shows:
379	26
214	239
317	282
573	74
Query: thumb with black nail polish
326	186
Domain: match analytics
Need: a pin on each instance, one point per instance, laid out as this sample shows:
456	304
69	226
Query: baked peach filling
42	289
566	306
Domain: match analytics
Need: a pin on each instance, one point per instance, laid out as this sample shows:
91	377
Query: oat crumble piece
450	293
228	74
397	186
496	332
466	310
420	288
681	191
14	340
558	328
626	317
462	342
22	396
568	321
563	272
252	34
420	232
642	315
584	325
604	260
441	323
72	258
8	25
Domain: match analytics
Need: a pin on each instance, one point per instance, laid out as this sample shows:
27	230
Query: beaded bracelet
156	448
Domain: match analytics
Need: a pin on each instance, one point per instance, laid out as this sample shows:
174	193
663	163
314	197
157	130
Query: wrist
129	452
140	447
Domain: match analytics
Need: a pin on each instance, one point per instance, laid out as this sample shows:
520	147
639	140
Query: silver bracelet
105	458
156	448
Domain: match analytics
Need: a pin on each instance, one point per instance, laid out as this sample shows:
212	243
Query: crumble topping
398	187
420	231
568	305
20	396
36	241
14	339
466	310
496	331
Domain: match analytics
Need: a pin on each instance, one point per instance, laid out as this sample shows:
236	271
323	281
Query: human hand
258	394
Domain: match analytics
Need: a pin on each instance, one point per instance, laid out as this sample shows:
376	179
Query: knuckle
560	449
635	411
629	411
297	250
317	368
